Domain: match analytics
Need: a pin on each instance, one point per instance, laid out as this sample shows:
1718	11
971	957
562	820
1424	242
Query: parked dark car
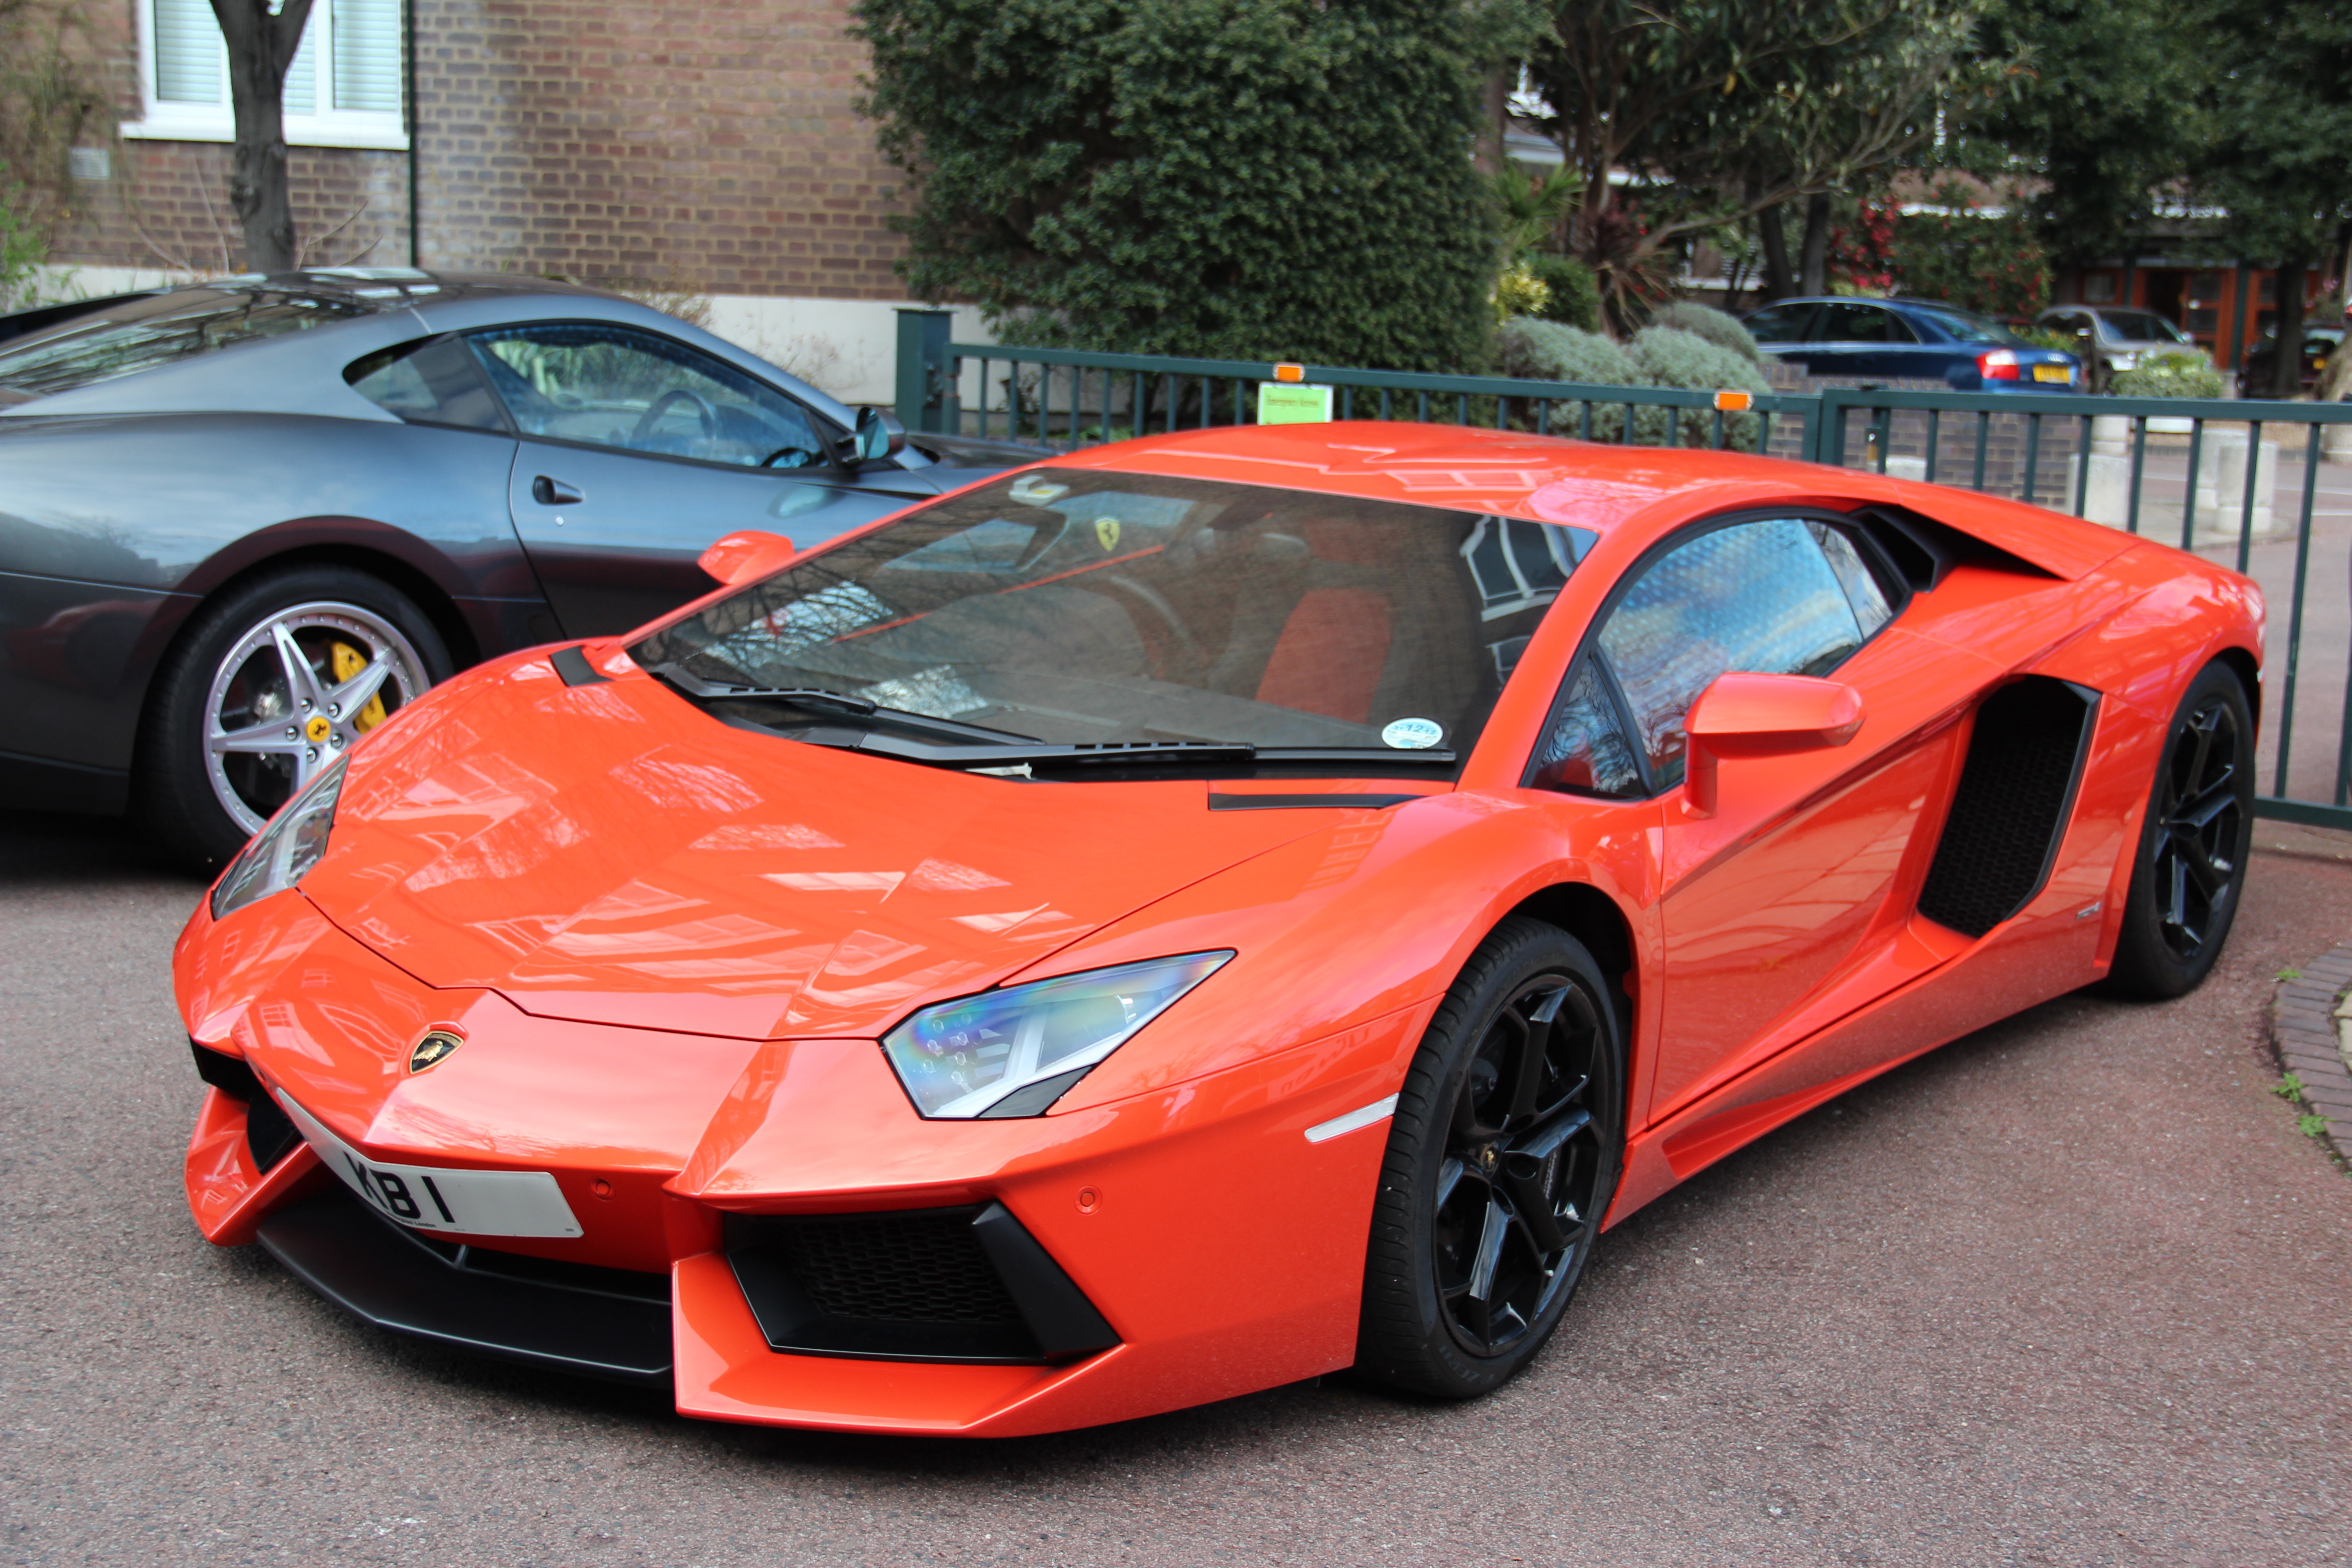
1909	340
2112	338
2320	338
242	522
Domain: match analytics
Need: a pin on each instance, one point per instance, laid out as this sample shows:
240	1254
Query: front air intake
959	1285
270	1135
2010	811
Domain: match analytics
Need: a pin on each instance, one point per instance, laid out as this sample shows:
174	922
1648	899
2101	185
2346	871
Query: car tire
230	731
2189	866
1467	1183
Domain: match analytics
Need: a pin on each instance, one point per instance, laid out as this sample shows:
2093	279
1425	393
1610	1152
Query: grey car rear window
140	334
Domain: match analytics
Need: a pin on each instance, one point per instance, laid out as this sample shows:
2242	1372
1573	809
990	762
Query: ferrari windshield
1072	606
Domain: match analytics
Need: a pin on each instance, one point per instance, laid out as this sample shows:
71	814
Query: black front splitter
382	1274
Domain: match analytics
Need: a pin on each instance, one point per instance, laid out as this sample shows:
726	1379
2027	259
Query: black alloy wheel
1503	1155
2192	851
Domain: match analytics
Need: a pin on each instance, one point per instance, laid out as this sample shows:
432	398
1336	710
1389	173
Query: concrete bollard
2221	489
2106	496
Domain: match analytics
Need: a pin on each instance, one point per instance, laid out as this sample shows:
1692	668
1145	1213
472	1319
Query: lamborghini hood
611	854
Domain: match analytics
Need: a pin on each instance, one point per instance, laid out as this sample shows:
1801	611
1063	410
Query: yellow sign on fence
1293	405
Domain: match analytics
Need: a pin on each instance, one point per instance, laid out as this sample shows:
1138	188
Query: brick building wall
713	148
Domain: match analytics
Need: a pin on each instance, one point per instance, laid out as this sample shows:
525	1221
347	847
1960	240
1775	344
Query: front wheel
1503	1154
270	683
2191	863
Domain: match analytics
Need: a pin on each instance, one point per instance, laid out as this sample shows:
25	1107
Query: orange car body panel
671	946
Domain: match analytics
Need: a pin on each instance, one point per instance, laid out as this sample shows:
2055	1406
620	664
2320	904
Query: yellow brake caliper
349	661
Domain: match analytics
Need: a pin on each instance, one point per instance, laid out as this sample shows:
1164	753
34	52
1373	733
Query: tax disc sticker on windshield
1036	489
1411	734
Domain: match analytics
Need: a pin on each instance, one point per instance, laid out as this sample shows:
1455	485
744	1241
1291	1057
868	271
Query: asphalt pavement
2072	1290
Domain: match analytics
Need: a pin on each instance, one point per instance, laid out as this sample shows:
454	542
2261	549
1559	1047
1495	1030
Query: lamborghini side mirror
1749	715
746	557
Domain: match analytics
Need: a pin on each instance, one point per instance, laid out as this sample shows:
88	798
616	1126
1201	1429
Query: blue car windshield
1085	605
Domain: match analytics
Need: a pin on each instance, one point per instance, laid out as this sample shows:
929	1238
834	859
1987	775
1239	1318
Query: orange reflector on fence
1735	402
1290	372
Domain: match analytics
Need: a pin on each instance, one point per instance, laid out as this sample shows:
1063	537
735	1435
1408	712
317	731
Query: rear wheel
2191	865
1503	1155
271	683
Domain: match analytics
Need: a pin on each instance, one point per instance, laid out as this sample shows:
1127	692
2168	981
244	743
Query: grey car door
637	452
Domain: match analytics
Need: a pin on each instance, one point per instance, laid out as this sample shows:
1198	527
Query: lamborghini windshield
1072	608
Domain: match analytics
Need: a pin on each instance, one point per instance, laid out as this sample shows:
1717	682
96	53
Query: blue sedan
1909	340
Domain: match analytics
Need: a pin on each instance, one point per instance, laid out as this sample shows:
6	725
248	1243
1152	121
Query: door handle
554	492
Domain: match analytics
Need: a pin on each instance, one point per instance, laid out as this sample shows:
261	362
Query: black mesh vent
962	1285
922	1269
2010	805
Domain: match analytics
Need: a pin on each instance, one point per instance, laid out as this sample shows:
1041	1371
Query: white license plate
438	1197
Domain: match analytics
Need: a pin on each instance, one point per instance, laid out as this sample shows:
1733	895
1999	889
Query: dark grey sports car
242	522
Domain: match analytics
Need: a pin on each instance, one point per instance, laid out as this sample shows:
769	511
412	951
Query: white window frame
384	130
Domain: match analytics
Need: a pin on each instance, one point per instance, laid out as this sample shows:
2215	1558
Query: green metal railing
2112	459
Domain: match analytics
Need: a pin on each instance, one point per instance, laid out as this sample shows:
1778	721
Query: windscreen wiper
1093	753
820	696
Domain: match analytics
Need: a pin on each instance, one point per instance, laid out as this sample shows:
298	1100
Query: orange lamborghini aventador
1194	914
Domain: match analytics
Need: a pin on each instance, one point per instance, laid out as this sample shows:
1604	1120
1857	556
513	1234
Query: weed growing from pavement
2288	1087
2290	972
2312	1126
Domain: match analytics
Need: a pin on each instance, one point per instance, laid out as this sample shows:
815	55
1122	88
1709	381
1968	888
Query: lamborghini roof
1591	485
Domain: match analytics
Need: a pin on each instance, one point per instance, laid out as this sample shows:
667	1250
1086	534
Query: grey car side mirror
878	436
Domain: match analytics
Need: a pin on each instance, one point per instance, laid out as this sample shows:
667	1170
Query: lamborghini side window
1761	597
1584	747
1872	609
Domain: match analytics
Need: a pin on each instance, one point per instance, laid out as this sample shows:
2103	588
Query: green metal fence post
925	379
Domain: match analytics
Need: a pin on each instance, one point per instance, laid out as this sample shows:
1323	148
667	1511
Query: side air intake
963	1284
2011	805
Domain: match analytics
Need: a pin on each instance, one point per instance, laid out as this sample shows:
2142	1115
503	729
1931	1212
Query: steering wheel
660	406
802	457
1196	656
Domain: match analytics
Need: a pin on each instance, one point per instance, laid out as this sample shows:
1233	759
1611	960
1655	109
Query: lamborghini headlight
286	848
1014	1052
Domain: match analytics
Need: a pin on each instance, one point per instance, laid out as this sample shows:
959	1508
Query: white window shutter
367	54
189	55
301	95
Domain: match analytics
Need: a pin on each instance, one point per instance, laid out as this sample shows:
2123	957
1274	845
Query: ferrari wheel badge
317	729
433	1049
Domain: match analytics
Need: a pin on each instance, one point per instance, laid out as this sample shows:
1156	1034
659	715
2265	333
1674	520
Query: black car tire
1467	1184
2190	864
224	658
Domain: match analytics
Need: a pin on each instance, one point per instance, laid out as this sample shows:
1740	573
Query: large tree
1227	178
1736	108
2279	163
2108	123
262	45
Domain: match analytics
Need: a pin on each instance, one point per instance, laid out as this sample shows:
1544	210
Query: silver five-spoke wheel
273	679
292	694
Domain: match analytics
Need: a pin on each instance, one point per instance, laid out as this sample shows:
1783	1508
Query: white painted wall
847	347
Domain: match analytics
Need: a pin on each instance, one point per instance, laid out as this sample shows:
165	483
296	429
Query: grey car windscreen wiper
824	699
